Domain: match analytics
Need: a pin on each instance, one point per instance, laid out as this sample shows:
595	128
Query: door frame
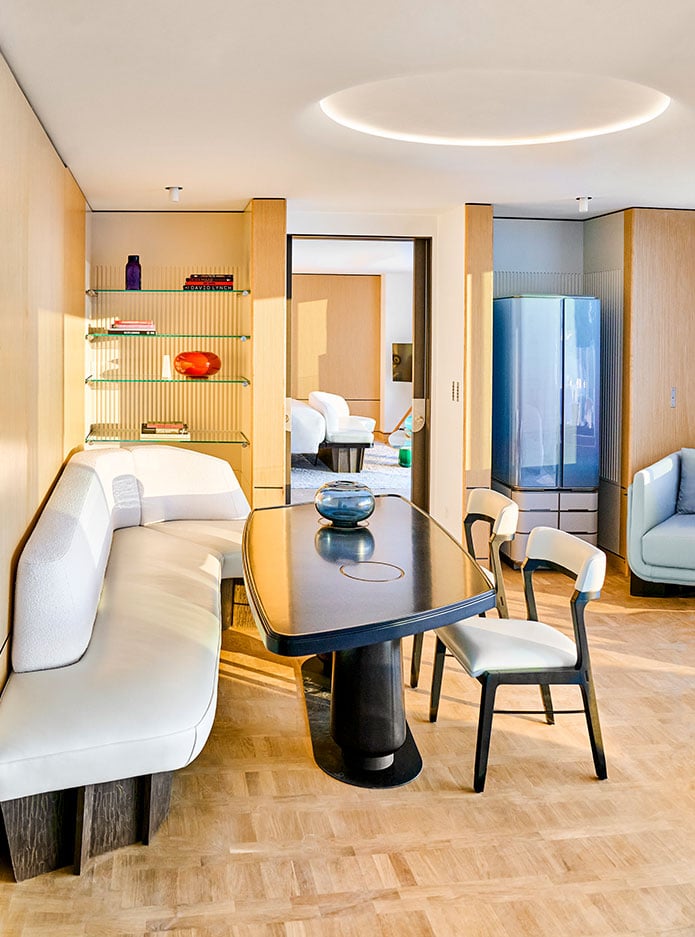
422	352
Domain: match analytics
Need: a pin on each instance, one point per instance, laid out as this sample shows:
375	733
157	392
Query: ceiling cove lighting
478	108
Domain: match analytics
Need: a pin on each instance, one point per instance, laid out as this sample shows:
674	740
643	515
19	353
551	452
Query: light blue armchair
660	540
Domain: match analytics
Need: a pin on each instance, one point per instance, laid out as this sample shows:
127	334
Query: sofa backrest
651	499
61	569
333	408
60	573
181	484
308	427
655	490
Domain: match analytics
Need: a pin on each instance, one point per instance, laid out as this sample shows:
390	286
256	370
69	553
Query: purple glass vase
133	272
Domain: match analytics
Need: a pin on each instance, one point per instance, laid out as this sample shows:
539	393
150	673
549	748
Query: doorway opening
358	328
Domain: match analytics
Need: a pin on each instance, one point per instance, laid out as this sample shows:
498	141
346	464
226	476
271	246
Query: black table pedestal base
406	763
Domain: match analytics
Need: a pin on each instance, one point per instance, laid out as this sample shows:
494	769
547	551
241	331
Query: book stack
154	431
209	281
132	327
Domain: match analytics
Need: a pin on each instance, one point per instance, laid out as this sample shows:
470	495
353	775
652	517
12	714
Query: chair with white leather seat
512	651
501	514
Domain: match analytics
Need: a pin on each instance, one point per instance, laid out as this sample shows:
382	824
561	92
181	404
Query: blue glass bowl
344	503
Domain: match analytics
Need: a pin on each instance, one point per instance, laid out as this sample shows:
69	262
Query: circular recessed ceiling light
463	107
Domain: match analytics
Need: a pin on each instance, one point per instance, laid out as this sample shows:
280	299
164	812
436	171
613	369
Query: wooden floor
261	843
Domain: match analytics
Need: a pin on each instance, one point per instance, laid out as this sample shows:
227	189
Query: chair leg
437	672
416	658
594	727
489	686
547	704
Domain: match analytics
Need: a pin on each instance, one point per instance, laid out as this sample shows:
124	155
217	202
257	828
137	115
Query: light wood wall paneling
38	242
478	260
268	464
74	318
659	336
336	339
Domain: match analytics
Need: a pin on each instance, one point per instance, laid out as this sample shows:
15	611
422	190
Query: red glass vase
197	363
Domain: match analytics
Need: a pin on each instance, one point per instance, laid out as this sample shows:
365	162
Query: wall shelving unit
237	415
126	375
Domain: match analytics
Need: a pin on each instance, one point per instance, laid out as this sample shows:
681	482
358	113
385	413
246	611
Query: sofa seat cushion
493	644
223	537
671	543
142	697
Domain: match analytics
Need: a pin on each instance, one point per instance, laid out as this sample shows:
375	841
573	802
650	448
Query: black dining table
345	598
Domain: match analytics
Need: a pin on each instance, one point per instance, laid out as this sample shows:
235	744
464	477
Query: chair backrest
502	516
568	553
333	407
581	561
502	512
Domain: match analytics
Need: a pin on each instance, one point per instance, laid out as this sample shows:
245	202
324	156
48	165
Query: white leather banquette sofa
115	648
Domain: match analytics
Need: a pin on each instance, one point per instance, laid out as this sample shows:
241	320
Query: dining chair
513	651
501	515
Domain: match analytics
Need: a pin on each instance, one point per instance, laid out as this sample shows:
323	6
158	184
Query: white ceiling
222	97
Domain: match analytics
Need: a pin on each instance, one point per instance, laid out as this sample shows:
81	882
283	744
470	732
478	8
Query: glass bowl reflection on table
344	545
344	503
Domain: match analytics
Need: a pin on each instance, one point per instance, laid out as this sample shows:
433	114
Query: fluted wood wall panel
607	285
512	282
171	246
210	406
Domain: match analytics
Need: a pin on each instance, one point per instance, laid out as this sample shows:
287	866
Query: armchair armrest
651	500
361	422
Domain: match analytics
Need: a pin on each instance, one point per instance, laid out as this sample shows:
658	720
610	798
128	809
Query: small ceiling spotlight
583	203
174	192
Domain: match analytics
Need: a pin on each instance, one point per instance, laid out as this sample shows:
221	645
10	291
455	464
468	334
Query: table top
313	588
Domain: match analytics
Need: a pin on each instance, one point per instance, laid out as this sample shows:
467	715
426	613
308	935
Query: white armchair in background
347	436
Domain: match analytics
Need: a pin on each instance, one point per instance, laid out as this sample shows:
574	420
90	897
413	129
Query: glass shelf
213	379
96	292
101	432
92	335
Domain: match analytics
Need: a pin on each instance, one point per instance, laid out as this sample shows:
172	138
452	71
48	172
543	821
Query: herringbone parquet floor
260	843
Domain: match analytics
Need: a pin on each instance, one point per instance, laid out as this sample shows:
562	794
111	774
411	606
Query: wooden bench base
344	457
48	831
